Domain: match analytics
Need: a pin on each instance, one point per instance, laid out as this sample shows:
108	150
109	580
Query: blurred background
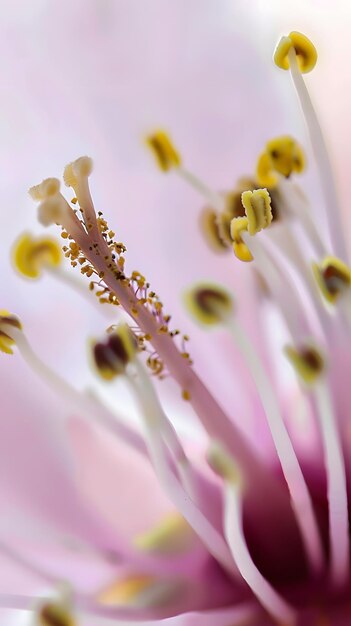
93	77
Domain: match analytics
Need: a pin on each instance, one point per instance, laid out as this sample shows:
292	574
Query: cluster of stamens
230	220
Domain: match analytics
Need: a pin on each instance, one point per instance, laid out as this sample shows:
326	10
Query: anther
209	303
32	254
265	171
237	227
163	150
7	320
307	361
54	614
333	277
285	156
210	226
112	356
257	205
306	53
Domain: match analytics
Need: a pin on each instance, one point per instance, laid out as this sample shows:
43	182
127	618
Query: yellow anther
222	463
209	303
127	590
49	187
112	356
285	155
172	536
241	251
333	276
163	150
32	254
257	205
308	362
265	172
55	614
211	229
306	53
7	320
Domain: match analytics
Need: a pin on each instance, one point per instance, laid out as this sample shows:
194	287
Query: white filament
215	199
233	528
300	497
337	489
211	538
322	159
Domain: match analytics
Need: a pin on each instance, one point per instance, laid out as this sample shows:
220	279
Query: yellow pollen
306	53
172	536
32	254
308	362
241	251
163	150
209	304
333	276
257	205
285	156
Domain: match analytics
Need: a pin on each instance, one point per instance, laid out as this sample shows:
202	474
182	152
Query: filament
233	528
322	158
300	497
204	529
215	199
337	489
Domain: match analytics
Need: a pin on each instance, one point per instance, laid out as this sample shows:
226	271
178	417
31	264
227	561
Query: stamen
337	487
301	56
172	536
300	497
257	205
208	303
309	365
140	591
210	227
112	356
304	50
307	362
86	404
33	254
265	172
164	151
148	314
168	158
333	278
276	606
8	323
239	225
145	397
285	156
54	614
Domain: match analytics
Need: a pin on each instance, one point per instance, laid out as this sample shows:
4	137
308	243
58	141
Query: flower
255	539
